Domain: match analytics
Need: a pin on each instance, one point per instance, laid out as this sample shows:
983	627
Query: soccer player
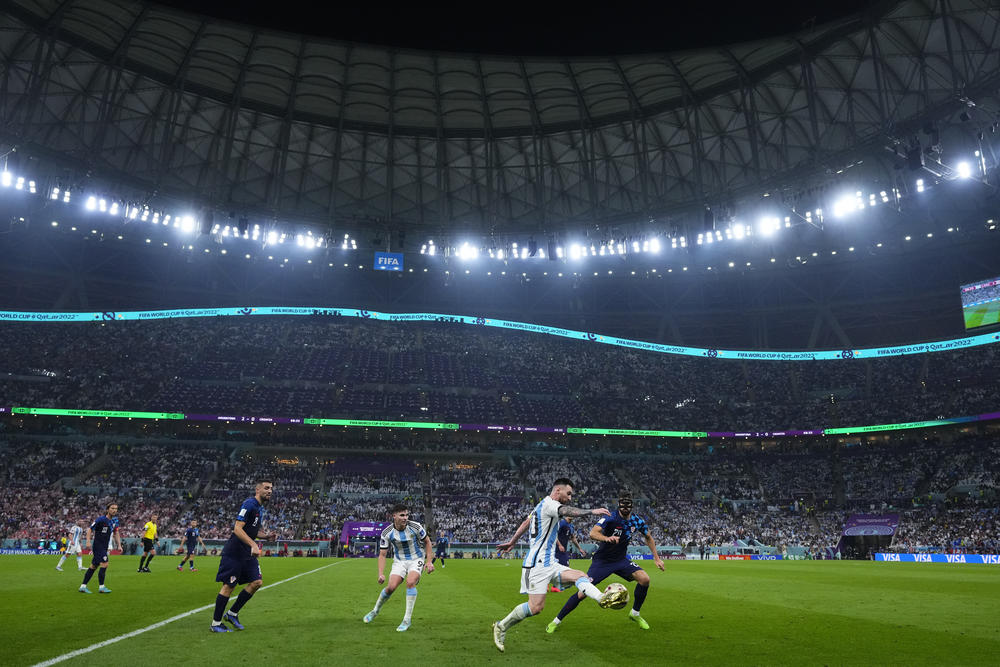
148	539
193	538
410	545
611	557
73	546
98	539
564	536
440	548
115	533
540	565
239	564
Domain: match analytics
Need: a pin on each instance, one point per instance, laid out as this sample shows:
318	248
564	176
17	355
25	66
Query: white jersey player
411	545
540	566
73	546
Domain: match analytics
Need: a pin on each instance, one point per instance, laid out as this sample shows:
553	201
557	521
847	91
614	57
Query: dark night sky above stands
543	29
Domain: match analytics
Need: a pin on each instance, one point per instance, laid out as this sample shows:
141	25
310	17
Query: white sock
633	612
588	589
557	620
517	614
382	597
411	599
79	562
61	561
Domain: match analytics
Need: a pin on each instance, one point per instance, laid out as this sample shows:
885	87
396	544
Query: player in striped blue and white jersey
540	565
73	546
410	545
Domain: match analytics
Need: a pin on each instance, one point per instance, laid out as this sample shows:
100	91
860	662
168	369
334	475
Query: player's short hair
562	481
108	506
397	508
625	493
262	481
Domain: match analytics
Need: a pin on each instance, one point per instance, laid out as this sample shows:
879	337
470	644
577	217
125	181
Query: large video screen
981	303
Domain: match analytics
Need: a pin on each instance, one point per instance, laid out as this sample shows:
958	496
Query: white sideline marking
160	624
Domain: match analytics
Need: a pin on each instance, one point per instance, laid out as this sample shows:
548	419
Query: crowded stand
444	372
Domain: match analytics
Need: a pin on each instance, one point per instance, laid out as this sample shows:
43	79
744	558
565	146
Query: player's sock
192	563
382	597
588	589
411	599
87	576
220	608
61	561
181	565
570	605
101	573
517	614
241	600
640	597
79	562
142	560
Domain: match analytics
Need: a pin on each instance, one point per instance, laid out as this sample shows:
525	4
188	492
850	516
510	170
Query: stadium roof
304	128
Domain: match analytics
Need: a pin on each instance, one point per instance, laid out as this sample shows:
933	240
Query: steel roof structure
343	134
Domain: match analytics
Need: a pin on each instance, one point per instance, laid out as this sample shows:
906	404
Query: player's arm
651	543
242	536
597	534
504	547
428	553
566	510
577	543
90	535
381	565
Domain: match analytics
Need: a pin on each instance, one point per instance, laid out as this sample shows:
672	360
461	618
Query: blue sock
241	600
640	596
87	575
571	604
101	573
220	608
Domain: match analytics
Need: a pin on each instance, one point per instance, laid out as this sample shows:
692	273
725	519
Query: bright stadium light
187	224
575	251
559	252
6	179
654	245
467	252
768	225
19	185
964	170
843	206
920	185
91	202
54	194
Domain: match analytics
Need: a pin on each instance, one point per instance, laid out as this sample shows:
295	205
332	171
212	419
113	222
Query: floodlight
964	170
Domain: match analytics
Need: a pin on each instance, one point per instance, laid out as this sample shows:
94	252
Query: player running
149	538
239	564
73	546
540	565
613	534
440	548
192	538
98	538
410	545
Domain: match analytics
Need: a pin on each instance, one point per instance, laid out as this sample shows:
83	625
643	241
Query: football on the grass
620	595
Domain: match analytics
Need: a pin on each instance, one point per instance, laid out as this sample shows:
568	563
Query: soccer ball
618	594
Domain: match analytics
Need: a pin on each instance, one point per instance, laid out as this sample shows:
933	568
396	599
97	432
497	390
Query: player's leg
641	579
183	560
95	561
149	559
395	579
595	575
102	572
251	573
221	600
534	583
412	579
62	560
190	556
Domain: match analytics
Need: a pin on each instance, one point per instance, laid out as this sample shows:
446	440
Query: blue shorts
440	553
192	549
234	571
601	570
98	558
562	557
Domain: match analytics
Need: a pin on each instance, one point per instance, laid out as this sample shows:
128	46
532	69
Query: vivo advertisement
973	559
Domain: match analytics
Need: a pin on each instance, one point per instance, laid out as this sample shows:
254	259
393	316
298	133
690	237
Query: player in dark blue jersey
440	548
613	534
98	541
192	538
239	563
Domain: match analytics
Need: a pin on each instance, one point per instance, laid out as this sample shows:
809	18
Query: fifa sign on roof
388	261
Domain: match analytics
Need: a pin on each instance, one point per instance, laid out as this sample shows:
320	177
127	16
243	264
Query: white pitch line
160	624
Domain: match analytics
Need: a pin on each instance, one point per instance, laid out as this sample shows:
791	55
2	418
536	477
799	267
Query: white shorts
535	580
402	568
72	549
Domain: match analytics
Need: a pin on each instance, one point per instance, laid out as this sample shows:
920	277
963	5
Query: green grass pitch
701	612
977	316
